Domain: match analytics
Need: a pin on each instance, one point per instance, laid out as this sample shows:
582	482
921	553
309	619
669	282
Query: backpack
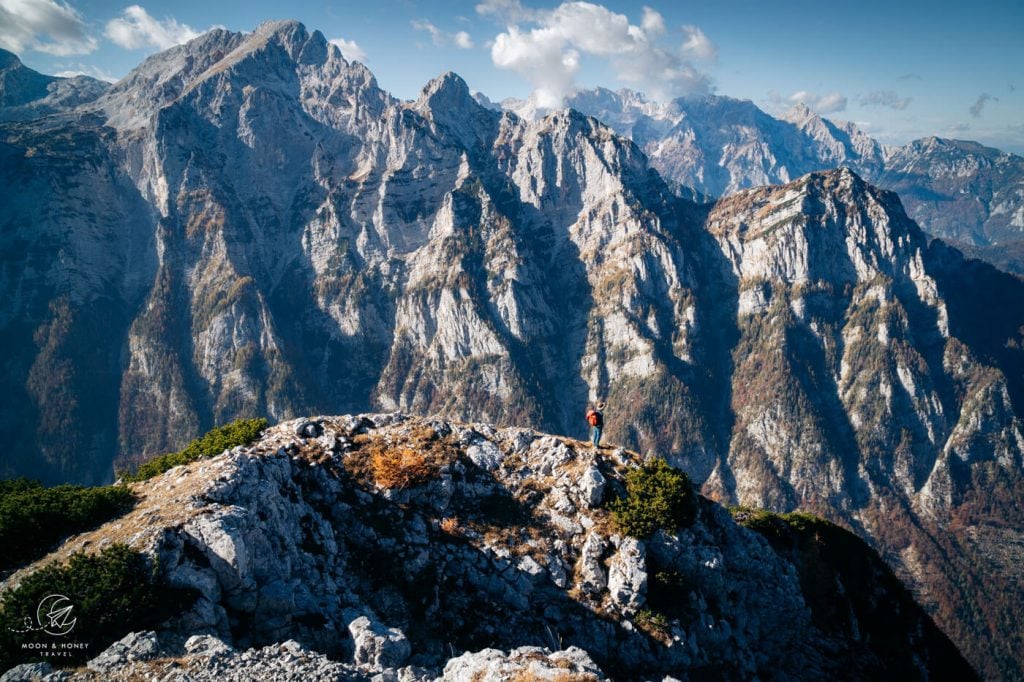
593	418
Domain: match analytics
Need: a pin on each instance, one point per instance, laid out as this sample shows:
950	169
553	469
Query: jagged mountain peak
163	77
800	113
448	102
299	46
302	46
485	101
827	228
281	55
448	90
795	199
285	27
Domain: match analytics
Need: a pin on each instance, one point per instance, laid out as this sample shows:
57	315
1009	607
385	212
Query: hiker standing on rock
596	421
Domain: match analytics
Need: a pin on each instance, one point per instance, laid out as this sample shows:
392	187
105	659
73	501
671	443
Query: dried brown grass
402	469
399	460
450	525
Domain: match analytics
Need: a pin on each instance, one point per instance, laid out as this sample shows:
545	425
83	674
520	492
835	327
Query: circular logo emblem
54	615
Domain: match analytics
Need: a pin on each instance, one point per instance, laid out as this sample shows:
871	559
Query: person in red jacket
596	421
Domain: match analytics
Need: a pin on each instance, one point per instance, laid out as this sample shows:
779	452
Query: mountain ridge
26	94
960	191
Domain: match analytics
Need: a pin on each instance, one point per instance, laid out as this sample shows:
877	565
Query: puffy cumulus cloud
46	26
653	23
548	54
884	98
349	49
542	57
823	104
979	104
135	29
460	39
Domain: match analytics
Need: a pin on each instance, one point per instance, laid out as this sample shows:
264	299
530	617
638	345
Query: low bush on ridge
216	441
103	597
33	519
658	496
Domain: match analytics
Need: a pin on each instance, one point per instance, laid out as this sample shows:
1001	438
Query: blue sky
902	70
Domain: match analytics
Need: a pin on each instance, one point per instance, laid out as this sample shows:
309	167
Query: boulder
135	646
377	646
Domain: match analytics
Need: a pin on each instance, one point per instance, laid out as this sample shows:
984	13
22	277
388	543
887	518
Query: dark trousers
595	436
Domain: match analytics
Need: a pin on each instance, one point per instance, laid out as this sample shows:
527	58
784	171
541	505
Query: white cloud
135	29
542	57
508	11
440	38
823	104
350	49
698	44
884	98
436	36
46	26
548	54
652	23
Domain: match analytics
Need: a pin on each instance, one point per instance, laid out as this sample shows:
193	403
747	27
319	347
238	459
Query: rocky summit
247	225
388	547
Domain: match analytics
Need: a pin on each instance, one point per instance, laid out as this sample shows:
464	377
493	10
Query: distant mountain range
248	225
27	94
962	192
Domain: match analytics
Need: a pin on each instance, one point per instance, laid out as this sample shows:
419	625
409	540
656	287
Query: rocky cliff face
861	388
248	225
417	547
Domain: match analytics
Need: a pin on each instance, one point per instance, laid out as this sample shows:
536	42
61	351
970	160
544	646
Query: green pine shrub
111	594
239	432
33	519
658	496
